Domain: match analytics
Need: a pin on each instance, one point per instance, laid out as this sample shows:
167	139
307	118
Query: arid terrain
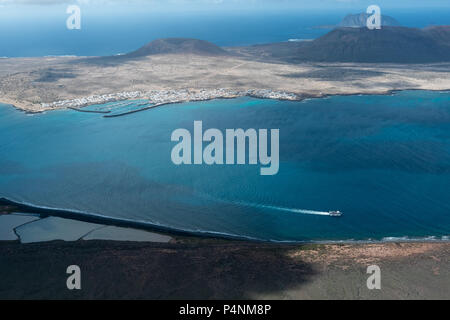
343	61
31	83
215	269
167	265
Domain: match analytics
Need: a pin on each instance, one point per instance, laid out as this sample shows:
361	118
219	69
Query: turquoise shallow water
382	160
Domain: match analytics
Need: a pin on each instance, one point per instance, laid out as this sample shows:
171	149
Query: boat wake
277	208
284	209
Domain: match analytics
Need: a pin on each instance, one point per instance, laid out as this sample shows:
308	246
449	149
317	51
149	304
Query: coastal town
170	96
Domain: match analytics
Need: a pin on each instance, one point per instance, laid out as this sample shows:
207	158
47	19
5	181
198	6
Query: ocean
383	160
40	32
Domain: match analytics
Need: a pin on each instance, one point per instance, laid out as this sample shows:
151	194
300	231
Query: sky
232	4
11	9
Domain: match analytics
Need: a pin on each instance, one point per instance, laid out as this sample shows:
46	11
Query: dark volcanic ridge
389	45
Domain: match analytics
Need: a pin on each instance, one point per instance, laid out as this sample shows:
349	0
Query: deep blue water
382	160
38	32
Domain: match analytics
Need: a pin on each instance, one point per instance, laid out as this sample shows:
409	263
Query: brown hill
178	45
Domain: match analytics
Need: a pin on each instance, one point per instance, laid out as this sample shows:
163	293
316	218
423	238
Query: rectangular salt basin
11	221
53	228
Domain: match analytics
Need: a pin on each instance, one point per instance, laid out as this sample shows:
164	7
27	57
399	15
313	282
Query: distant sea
37	33
382	160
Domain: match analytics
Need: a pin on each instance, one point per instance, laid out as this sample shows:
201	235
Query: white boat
335	213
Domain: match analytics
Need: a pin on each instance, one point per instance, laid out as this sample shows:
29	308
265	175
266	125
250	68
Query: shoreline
73	215
231	94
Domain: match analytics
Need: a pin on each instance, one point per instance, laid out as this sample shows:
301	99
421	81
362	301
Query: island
343	62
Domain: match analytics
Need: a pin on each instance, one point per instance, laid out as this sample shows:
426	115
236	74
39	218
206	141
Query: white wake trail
302	211
284	209
320	213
